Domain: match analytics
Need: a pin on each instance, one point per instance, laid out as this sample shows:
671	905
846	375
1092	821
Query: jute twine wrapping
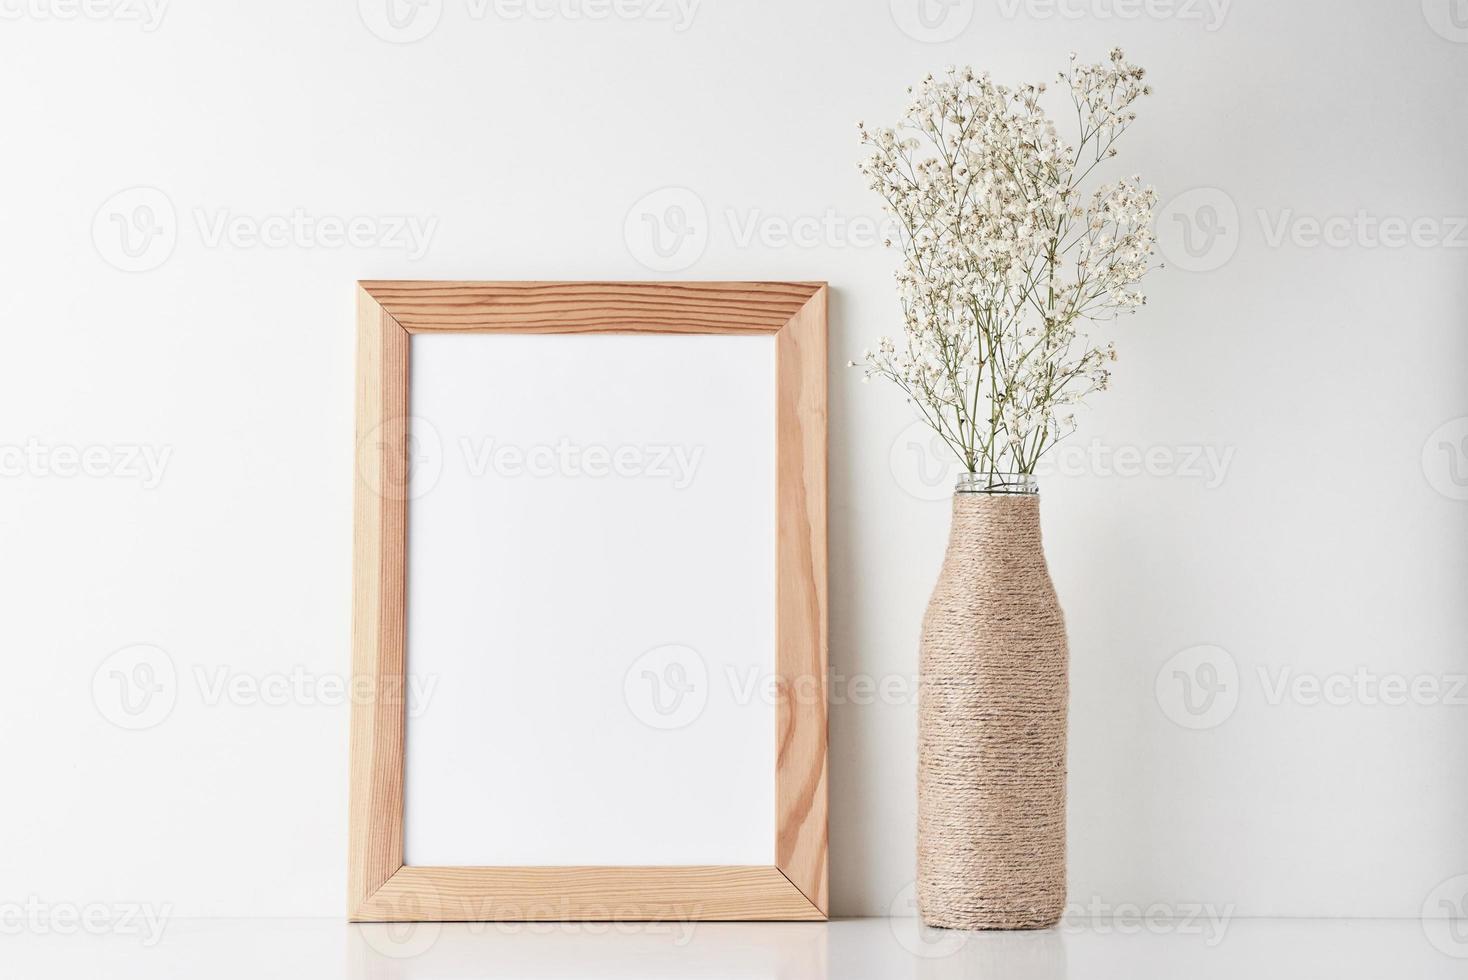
992	724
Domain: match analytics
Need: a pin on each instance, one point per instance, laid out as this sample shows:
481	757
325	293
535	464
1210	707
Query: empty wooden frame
380	886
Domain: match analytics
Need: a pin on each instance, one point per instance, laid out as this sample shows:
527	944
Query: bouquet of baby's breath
1006	257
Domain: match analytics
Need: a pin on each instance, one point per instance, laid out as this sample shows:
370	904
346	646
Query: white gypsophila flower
1004	258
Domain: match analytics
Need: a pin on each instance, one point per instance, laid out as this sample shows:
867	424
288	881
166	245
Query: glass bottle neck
997	483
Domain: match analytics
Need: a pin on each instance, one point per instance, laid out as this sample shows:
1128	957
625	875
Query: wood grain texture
711	892
375	833
380	887
578	307
801	617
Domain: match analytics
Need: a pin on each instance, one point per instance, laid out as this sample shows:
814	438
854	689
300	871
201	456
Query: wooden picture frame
380	886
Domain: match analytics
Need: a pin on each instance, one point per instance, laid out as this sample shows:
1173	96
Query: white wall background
1331	543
